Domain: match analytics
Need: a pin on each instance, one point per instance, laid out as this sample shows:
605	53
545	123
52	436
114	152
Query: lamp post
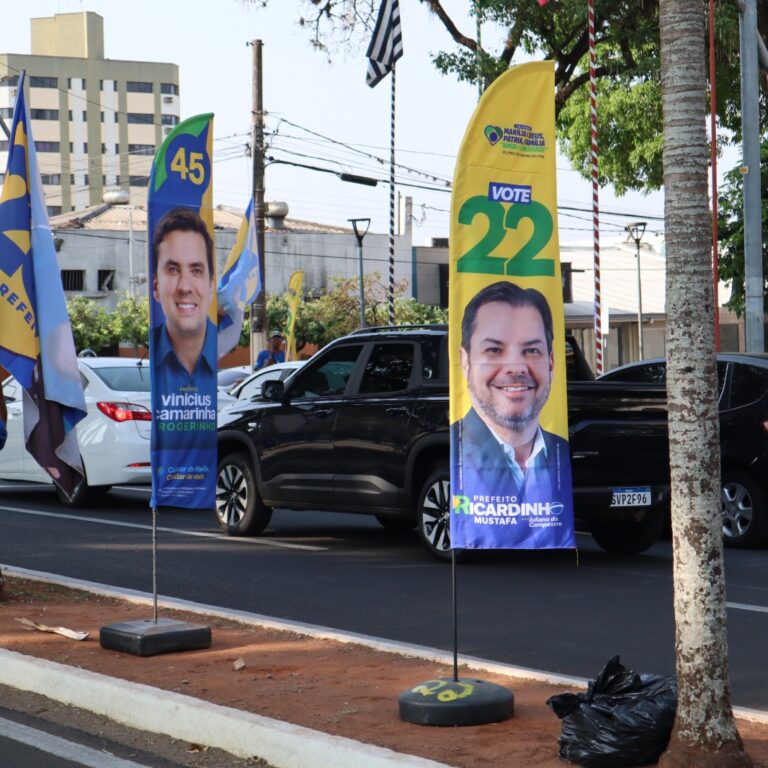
360	227
636	231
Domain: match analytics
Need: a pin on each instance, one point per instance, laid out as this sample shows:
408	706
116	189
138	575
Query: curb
181	717
240	733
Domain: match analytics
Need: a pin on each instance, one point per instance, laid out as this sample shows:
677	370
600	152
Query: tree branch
436	7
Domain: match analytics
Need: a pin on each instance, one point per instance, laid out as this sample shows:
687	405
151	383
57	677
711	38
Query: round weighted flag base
466	701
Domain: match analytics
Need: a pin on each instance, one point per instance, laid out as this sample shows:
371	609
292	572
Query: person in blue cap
273	353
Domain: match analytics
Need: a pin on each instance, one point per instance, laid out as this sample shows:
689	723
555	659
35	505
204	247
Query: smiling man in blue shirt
183	358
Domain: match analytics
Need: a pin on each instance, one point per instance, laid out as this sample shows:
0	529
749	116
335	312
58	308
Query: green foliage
92	327
131	317
322	319
730	203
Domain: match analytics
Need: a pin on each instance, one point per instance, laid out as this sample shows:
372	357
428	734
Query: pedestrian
273	353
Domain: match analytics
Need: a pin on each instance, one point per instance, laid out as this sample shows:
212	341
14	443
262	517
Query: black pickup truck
363	428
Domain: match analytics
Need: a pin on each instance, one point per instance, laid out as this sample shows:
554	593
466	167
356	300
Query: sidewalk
305	697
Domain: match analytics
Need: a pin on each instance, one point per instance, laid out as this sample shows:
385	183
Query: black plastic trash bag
624	719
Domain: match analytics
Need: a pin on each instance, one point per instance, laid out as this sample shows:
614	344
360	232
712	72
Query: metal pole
713	151
598	313
131	278
360	277
154	564
259	308
750	126
454	594
639	303
392	203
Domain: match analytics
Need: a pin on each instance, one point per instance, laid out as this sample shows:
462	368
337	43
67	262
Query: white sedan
114	437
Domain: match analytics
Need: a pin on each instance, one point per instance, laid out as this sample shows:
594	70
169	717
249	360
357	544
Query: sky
320	113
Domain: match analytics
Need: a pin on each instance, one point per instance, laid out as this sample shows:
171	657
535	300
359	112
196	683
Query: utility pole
750	127
259	307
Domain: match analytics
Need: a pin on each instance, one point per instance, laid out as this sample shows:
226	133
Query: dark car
743	405
363	427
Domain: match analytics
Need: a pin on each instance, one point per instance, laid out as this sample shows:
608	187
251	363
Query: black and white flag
386	44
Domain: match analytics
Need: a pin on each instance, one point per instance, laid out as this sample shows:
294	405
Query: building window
50	178
136	86
101	116
170	119
85	147
85	116
44	114
72	279
6	112
139	181
106	279
171	88
117	117
141	118
71	147
10	81
71	178
141	149
43	82
85	179
47	146
3	146
53	210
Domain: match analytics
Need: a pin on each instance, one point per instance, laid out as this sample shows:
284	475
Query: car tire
433	513
629	537
744	511
239	508
396	524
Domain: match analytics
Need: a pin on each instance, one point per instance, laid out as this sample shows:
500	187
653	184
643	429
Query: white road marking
199	534
67	750
747	607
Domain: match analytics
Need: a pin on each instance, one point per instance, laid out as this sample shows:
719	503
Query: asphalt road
563	612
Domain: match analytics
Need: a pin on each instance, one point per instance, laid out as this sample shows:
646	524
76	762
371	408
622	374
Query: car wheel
434	514
239	507
396	524
744	512
629	537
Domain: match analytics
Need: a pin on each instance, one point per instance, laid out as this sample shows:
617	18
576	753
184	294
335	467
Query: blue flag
240	283
36	343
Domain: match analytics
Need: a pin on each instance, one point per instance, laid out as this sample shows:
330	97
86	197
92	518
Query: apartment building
96	122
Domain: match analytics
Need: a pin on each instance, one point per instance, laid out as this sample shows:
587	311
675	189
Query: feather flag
386	45
36	343
293	299
240	283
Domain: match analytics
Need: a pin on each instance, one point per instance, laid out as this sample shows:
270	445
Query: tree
704	734
628	70
731	232
131	319
92	327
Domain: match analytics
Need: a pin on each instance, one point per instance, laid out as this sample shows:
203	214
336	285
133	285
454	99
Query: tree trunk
705	732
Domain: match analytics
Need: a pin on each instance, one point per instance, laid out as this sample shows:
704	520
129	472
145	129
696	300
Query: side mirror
273	391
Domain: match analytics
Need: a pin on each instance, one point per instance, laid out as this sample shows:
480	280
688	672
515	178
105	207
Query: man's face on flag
183	284
508	366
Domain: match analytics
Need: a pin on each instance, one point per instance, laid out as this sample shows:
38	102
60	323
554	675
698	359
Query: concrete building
102	251
96	122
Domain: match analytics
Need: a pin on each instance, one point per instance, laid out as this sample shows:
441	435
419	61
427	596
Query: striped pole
392	204
595	190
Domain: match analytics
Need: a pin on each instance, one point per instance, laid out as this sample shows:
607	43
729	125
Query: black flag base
460	701
150	638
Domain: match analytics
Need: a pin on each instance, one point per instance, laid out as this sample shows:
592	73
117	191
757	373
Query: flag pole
599	366
154	564
392	203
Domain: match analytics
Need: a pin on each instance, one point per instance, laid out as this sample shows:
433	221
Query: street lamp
360	227
636	231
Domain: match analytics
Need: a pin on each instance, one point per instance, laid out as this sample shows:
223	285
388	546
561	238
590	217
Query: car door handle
323	412
398	411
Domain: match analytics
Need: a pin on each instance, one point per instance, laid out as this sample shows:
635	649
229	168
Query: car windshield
131	378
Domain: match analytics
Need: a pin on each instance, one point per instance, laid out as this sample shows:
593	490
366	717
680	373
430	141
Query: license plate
631	497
